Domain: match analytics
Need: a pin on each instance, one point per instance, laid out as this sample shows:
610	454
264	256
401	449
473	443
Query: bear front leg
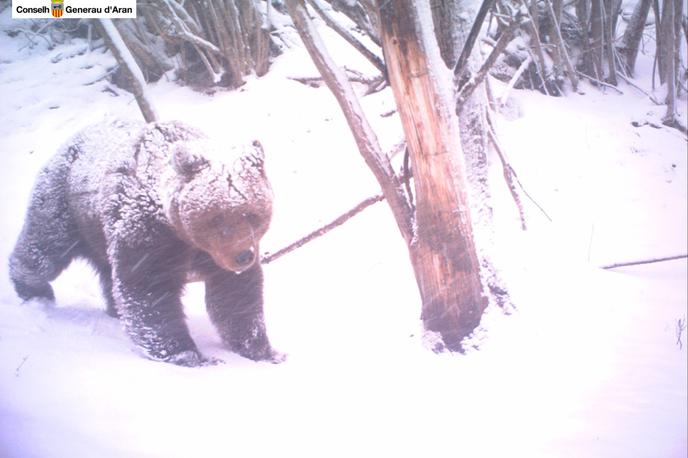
147	285
235	306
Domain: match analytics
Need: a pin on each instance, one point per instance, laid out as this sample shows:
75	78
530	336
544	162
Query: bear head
220	201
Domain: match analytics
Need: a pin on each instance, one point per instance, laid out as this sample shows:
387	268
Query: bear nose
244	258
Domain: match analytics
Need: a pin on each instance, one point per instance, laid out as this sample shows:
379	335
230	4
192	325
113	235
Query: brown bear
149	206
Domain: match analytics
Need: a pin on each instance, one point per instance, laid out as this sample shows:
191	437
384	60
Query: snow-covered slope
590	364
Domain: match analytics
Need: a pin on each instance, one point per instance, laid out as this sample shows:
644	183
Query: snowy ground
590	364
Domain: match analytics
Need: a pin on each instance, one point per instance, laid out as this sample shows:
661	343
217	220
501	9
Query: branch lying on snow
644	261
374	83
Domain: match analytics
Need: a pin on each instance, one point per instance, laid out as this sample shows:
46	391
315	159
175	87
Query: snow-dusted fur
148	206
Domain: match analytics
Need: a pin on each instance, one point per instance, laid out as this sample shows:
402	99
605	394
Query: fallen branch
269	257
352	75
644	261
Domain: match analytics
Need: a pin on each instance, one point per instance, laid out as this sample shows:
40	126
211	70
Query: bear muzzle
237	262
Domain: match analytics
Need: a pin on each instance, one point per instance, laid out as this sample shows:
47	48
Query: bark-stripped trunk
443	255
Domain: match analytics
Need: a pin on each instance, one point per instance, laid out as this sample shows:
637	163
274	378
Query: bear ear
186	162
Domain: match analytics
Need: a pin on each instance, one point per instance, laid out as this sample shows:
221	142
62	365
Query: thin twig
635	86
406	177
680	327
507	171
601	83
644	261
511	169
16	371
269	257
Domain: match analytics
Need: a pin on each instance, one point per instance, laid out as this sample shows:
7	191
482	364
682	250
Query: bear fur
150	206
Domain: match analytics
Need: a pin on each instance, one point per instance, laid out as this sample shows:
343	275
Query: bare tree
438	233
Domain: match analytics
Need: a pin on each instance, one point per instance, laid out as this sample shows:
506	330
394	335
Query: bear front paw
277	357
41	293
261	354
192	358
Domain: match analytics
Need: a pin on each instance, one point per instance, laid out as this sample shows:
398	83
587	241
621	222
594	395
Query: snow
588	364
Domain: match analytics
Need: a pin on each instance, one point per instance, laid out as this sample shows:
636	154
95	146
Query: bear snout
245	258
235	261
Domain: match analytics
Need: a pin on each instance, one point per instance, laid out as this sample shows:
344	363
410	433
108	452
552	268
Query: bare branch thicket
211	42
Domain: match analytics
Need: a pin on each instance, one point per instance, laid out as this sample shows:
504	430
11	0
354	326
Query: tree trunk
583	14
659	40
668	52
609	25
443	253
597	35
455	33
633	34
